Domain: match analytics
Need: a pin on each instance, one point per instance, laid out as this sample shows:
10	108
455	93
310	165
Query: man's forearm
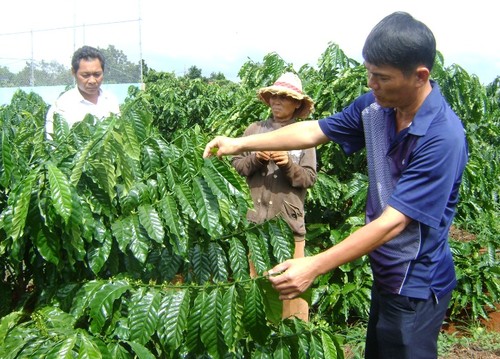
363	241
300	135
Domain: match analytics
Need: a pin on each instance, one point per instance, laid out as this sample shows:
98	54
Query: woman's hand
280	158
263	156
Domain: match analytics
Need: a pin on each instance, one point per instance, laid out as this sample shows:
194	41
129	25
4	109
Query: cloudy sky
221	35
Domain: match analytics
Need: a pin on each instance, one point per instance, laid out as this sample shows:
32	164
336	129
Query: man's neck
90	97
405	115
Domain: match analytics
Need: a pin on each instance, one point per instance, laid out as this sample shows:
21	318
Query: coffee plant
118	240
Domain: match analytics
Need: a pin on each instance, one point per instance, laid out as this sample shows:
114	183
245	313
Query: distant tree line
118	70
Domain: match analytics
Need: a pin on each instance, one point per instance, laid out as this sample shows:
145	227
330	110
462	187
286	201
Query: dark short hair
86	53
400	41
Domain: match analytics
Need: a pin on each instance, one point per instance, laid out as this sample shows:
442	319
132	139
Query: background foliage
118	240
118	69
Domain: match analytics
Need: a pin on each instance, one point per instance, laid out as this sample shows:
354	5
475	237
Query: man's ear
423	74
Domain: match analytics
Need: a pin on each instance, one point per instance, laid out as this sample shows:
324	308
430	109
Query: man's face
390	86
89	78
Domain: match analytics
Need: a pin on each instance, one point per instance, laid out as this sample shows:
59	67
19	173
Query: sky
220	36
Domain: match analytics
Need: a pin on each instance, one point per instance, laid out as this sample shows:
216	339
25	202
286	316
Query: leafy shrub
118	240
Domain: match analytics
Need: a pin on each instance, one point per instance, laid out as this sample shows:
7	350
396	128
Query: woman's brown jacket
274	190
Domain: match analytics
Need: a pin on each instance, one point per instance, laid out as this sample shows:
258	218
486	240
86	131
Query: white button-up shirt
73	107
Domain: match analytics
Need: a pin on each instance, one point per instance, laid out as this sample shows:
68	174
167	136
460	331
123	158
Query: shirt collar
427	112
277	124
82	99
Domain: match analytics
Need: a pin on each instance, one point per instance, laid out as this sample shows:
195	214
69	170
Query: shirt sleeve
246	164
346	127
303	173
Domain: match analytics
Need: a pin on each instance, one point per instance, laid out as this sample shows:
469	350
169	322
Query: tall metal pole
74	25
140	46
32	66
74	38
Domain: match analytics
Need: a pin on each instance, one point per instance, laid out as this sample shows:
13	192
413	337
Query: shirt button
275	176
263	174
258	201
270	202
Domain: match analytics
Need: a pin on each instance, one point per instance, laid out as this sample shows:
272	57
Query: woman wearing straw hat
278	180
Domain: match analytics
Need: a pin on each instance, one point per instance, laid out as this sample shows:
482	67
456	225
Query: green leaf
102	304
303	338
141	351
21	206
122	230
270	297
56	319
254	317
282	350
330	346
99	253
231	317
210	323
140	122
281	239
174	312
258	252
129	141
138	243
215	182
80	161
126	168
103	171
185	198
316	347
49	248
171	177
8	322
193	332
150	160
169	264
139	246
88	348
150	220
60	191
232	183
228	188
200	263
17	342
117	351
238	260
218	263
64	349
170	213
143	315
7	160
84	296
207	206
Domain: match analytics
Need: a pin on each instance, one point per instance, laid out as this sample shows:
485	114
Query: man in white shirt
87	66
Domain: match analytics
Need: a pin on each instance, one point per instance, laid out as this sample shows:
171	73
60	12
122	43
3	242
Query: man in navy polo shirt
416	154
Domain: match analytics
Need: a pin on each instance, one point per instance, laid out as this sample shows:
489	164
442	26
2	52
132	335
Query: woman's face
283	107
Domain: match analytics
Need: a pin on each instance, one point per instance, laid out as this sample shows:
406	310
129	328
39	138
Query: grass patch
472	341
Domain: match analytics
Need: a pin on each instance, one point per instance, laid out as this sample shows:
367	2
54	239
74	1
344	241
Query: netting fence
22	52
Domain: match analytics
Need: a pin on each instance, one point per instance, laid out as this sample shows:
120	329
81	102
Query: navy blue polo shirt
416	171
